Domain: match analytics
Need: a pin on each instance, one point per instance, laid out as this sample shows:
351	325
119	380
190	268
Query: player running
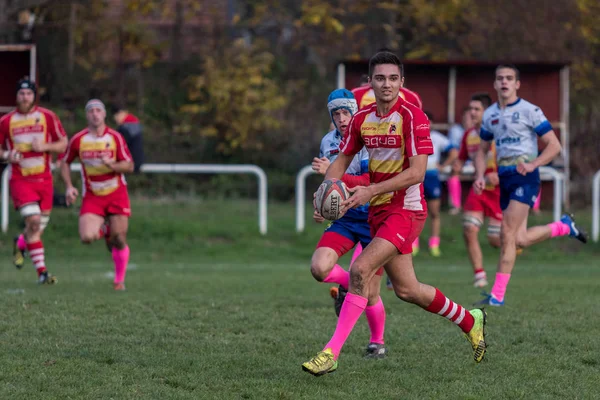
432	187
104	158
487	203
29	135
515	125
341	235
396	134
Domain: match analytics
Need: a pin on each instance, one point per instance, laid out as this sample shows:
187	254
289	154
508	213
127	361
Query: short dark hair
429	115
483	98
385	57
116	107
510	66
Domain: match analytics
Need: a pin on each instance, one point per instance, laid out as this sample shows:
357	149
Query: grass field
214	311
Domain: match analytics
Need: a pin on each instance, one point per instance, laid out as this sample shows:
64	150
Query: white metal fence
546	174
596	207
172	169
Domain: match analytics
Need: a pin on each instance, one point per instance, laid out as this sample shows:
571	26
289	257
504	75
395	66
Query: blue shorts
432	185
523	189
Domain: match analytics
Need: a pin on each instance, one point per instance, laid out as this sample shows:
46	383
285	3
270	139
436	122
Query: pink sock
454	191
500	285
352	309
376	319
415	243
338	275
559	229
536	205
21	243
121	258
357	250
434	241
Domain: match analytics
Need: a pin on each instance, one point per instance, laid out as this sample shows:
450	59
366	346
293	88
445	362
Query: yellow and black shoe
46	278
18	254
477	334
321	364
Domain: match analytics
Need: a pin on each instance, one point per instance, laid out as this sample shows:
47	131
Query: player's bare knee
405	293
33	224
319	269
522	242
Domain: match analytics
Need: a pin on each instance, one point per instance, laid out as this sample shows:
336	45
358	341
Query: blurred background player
396	134
487	203
514	125
341	235
455	134
29	135
130	127
432	186
105	158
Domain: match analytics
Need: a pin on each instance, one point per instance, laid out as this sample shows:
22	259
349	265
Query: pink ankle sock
454	191
559	229
338	275
434	241
376	319
415	243
500	285
352	309
121	258
21	243
357	250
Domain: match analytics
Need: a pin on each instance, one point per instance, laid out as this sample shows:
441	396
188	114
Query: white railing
546	174
173	169
596	207
301	197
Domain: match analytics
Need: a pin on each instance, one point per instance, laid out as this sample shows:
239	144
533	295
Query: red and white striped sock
36	252
448	309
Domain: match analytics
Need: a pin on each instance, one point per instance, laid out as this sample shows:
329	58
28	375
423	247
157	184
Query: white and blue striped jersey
330	148
515	131
441	144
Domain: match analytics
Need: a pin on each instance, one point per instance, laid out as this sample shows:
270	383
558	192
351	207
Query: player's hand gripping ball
329	198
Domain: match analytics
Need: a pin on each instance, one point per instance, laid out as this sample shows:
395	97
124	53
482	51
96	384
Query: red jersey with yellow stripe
391	140
365	96
468	150
18	131
90	148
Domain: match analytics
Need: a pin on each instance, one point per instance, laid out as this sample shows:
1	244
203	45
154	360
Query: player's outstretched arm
57	147
65	173
339	166
480	163
553	147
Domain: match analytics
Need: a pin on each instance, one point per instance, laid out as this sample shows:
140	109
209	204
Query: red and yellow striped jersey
391	140
90	148
468	150
18	131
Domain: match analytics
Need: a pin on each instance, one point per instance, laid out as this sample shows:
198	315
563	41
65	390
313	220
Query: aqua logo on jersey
508	140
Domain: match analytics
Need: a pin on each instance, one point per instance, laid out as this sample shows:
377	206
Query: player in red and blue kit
342	235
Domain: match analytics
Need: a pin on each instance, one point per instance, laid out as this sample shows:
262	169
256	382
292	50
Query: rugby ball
329	198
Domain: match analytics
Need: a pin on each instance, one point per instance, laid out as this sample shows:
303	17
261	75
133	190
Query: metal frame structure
596	207
546	174
171	169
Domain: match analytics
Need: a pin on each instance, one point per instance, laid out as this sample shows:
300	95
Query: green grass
214	311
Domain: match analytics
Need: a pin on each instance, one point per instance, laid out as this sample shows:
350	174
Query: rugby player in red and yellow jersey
104	158
479	206
396	135
29	135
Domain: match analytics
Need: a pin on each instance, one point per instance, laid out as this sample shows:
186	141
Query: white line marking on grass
15	291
